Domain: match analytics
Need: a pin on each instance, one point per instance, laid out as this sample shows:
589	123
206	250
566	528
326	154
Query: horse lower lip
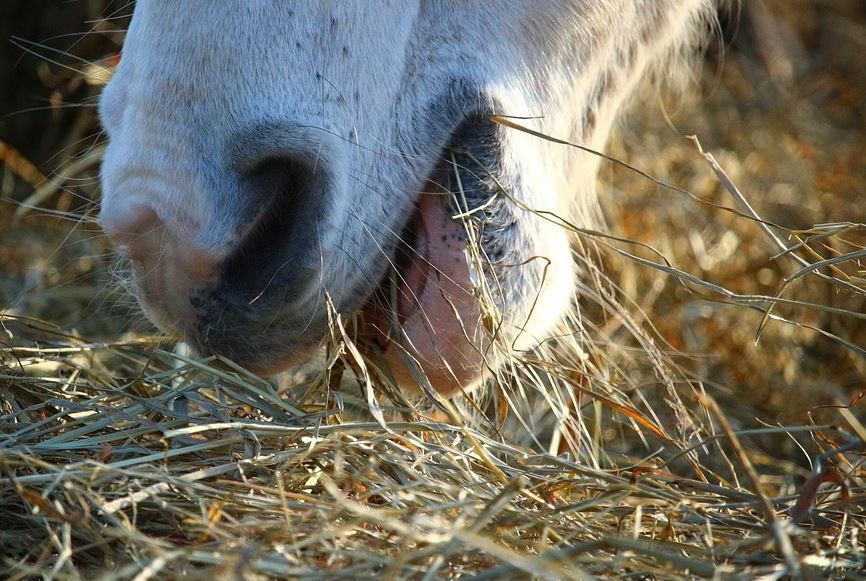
437	313
413	267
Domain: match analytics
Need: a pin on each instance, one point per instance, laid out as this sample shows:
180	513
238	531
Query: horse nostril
278	239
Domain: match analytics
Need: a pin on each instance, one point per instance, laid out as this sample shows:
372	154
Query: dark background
46	100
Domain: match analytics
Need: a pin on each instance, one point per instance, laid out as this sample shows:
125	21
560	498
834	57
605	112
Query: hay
130	461
635	447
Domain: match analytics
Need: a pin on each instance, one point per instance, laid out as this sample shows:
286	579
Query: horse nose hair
131	226
153	246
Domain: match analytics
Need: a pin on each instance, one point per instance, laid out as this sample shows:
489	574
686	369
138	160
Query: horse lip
413	251
384	313
413	241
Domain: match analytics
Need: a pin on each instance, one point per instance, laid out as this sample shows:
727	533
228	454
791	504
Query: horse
274	165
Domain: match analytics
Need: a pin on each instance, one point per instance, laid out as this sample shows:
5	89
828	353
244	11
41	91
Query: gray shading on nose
286	195
286	204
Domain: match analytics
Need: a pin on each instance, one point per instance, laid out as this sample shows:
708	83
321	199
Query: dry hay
122	456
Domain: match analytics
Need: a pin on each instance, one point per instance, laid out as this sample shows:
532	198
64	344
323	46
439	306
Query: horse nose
213	252
278	238
150	244
286	181
167	262
131	226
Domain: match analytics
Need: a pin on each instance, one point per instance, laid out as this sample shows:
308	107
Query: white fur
351	84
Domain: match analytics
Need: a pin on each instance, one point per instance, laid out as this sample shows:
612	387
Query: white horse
268	159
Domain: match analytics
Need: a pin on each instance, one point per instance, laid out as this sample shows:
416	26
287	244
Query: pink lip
438	311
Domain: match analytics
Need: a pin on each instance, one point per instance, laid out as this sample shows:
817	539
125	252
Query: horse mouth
425	315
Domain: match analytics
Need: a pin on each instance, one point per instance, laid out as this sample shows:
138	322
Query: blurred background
55	58
50	55
780	102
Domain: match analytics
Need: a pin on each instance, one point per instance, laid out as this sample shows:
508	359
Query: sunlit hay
547	391
123	457
201	470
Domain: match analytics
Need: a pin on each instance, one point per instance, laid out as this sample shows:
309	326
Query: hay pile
130	461
121	456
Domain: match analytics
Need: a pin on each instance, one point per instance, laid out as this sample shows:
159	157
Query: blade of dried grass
778	529
91	159
494	507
